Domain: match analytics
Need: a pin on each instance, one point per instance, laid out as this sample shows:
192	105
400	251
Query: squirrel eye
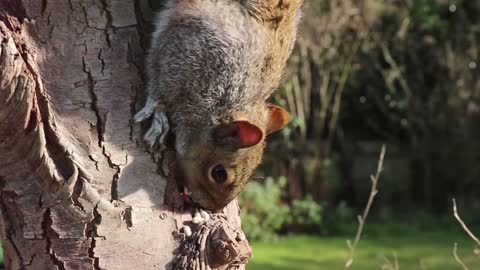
218	173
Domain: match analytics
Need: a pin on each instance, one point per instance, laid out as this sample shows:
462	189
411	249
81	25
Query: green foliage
402	72
429	16
305	215
339	221
263	214
415	80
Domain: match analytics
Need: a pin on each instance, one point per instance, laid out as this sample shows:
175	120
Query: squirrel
210	68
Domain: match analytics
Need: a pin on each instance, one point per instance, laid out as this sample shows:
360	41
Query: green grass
309	252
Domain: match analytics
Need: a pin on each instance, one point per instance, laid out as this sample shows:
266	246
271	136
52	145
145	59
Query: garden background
404	73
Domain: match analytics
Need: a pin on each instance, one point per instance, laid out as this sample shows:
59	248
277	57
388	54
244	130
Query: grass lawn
433	251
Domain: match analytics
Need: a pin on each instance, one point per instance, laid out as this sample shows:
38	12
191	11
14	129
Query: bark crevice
43	114
92	233
94	100
9	232
108	24
76	192
50	234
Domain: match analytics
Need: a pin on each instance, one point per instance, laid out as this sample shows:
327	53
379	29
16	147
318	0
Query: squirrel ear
242	134
278	118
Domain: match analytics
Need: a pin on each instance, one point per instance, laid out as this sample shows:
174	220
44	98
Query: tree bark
77	188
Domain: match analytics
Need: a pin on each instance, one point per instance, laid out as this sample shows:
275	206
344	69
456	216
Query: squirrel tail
275	11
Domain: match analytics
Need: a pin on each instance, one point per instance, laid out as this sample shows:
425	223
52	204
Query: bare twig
389	265
457	258
397	264
423	265
362	219
465	228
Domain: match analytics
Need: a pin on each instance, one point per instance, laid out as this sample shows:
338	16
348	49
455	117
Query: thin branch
362	219
465	228
389	265
457	258
423	266
397	264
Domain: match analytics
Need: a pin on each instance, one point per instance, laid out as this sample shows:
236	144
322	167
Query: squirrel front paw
158	129
159	126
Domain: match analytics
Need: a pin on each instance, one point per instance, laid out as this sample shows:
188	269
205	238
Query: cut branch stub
228	247
215	244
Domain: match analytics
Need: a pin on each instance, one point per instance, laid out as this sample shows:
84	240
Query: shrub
263	213
305	216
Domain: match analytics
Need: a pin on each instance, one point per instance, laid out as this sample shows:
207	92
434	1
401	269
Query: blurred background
404	73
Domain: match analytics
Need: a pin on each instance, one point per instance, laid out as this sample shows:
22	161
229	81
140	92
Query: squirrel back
212	65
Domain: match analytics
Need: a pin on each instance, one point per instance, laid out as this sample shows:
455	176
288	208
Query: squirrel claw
158	129
141	115
146	111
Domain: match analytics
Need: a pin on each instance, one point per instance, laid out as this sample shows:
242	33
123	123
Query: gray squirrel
210	68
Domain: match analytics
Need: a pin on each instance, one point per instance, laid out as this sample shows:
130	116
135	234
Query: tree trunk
78	191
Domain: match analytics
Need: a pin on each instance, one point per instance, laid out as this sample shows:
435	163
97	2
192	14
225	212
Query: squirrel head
221	159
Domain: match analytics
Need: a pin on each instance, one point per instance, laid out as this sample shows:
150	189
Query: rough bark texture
78	191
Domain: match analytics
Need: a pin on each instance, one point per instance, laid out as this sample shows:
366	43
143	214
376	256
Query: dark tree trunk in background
78	191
